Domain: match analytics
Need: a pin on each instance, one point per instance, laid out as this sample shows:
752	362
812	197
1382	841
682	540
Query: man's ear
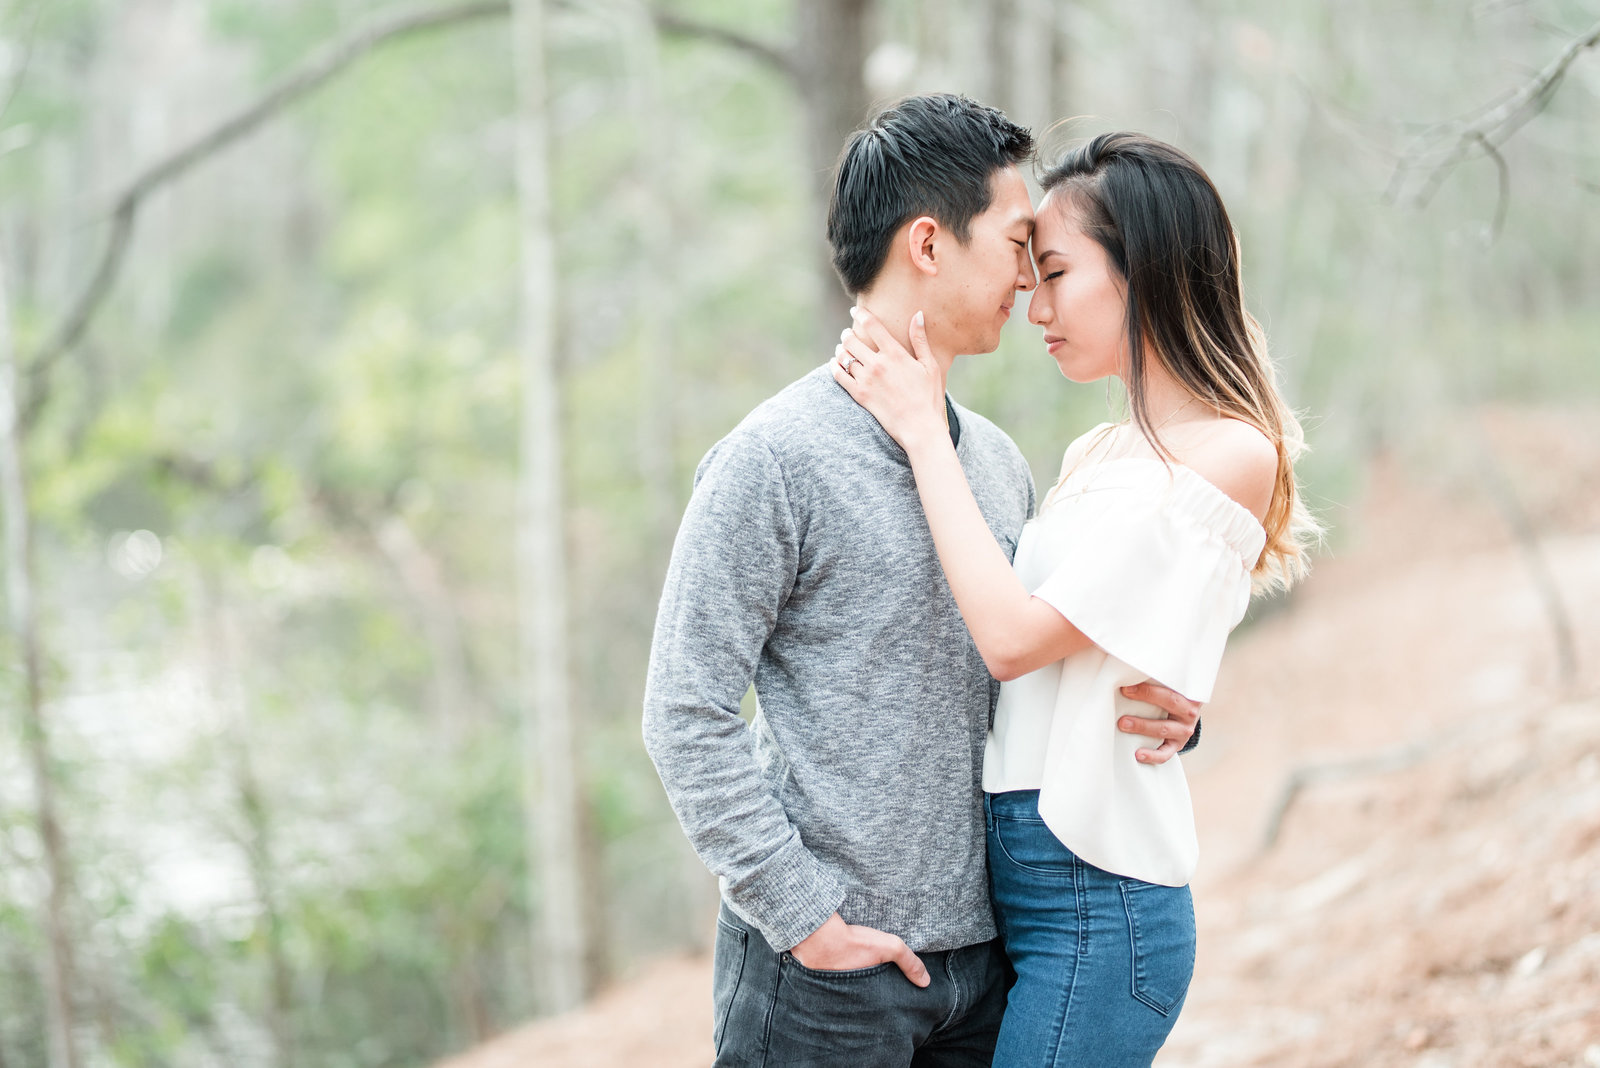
920	237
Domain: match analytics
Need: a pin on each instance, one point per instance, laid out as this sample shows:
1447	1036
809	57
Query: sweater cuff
1194	739
788	896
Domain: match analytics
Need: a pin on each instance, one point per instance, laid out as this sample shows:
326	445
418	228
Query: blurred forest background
355	358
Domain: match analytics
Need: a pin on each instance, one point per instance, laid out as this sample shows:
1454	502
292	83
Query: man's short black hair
927	155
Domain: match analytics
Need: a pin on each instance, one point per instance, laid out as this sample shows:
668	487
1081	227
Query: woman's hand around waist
1174	731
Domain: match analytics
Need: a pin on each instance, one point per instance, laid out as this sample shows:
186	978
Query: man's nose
1025	279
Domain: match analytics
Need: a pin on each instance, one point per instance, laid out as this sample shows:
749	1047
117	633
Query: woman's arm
1015	632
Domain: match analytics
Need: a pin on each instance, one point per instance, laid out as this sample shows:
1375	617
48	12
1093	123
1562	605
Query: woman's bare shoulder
1238	459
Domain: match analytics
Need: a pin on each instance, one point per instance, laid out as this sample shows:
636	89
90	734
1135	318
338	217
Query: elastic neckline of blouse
1239	525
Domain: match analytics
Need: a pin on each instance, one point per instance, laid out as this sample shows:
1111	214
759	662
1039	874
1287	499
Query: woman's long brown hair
1165	230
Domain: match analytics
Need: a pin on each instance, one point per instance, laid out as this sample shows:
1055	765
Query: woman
1140	561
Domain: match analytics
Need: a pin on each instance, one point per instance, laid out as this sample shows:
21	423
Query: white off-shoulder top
1152	563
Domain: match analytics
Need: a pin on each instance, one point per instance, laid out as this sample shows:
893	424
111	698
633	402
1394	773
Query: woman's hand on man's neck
894	309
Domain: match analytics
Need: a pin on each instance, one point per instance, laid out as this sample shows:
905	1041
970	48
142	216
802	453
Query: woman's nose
1038	308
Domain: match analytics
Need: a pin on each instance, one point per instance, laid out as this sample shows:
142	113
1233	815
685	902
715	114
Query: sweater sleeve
1155	578
733	566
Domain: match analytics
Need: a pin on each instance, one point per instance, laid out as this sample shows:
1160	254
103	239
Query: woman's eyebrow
1047	253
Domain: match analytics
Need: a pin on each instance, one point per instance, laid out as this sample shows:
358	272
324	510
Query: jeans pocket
848	973
1032	846
855	1014
1161	933
727	968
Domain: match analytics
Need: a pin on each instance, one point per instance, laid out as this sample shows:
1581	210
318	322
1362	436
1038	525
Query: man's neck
894	311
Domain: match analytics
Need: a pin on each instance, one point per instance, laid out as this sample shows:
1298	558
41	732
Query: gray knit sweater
804	564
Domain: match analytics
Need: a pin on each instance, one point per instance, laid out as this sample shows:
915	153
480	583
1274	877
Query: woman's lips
1052	343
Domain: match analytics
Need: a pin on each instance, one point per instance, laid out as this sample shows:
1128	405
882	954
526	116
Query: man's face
978	281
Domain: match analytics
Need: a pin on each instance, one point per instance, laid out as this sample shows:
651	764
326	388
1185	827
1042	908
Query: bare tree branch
781	59
1438	150
1396	758
1476	731
315	71
1491	7
1520	523
1503	201
22	611
310	75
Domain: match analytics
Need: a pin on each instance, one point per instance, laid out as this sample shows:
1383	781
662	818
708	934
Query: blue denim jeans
771	1011
1102	963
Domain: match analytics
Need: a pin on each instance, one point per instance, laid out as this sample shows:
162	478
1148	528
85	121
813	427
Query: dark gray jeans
771	1011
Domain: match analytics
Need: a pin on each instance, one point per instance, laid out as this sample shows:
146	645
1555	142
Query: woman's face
1081	302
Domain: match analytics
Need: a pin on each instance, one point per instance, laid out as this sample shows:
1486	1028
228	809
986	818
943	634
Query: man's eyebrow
1024	221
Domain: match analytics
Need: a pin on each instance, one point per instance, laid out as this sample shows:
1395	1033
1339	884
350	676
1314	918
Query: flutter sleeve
1154	568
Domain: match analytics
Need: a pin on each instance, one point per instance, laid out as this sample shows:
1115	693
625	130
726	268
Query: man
846	822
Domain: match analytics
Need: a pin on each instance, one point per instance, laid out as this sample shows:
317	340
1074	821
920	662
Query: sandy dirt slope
1440	910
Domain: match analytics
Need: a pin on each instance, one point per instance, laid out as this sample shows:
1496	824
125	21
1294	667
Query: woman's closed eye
1052	276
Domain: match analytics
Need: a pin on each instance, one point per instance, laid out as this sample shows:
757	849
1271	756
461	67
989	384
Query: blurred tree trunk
24	618
254	837
1203	91
1031	46
151	43
1060	63
831	38
932	39
550	756
1000	53
827	65
263	877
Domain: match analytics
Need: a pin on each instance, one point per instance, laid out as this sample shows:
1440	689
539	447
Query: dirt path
1441	914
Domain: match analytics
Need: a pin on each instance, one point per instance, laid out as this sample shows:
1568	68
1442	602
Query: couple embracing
955	831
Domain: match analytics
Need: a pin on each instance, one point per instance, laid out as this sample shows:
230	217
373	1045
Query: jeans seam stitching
1072	986
955	986
1081	894
1019	819
721	1030
1069	871
772	1010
